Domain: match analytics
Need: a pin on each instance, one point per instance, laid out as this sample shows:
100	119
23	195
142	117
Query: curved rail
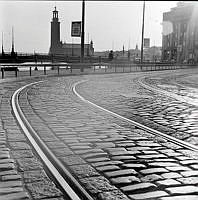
56	168
150	130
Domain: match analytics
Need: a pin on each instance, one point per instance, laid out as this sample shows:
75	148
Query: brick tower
56	45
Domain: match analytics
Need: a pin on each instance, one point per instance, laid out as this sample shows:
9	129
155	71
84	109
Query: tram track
69	185
139	125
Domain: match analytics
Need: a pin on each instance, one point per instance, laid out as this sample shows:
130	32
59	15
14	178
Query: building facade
68	49
180	33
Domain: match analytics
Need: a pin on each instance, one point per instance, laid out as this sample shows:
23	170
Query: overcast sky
110	24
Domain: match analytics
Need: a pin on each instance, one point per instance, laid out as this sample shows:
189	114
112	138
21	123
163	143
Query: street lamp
142	45
83	28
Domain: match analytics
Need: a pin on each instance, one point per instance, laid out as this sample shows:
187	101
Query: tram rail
70	187
139	125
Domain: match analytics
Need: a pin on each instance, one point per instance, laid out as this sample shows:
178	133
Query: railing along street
79	68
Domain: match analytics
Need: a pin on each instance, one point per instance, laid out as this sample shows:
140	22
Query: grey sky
110	24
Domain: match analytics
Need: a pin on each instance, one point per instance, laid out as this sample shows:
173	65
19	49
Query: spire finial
12	52
2	45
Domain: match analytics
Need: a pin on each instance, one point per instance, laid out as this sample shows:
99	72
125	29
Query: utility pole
83	32
142	45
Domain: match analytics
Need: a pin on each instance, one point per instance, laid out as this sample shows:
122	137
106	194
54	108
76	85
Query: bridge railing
85	68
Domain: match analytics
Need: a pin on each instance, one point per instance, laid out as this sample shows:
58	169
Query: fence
82	68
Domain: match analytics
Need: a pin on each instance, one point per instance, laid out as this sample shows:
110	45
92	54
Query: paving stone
175	154
189	173
72	160
153	170
151	178
97	184
84	171
43	189
135	165
6	184
125	179
122	172
102	159
172	145
105	145
150	152
89	151
177	169
182	190
10	190
138	186
107	168
8	172
168	182
6	160
123	157
15	196
170	175
151	156
183	158
112	195
35	175
25	164
162	164
189	180
7	166
19	145
164	160
116	149
194	166
114	162
140	148
183	197
22	154
4	154
16	137
11	177
59	152
124	153
125	144
148	195
148	143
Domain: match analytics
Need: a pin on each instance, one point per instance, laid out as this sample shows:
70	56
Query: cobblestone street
110	157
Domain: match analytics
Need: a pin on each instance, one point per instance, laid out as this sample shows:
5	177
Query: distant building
153	54
69	49
180	33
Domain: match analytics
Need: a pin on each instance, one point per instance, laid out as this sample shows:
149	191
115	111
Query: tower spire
2	50
12	39
12	52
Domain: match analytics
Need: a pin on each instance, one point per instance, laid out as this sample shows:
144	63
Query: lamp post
142	44
82	33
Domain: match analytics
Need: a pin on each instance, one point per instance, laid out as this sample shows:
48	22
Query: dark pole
142	45
83	28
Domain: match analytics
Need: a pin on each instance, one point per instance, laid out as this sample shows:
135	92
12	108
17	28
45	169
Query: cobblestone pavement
173	114
22	174
112	159
109	157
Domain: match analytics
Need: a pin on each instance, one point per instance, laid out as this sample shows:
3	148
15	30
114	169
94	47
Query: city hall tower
56	45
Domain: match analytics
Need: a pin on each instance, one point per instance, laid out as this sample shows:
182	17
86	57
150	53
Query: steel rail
150	130
184	99
68	183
